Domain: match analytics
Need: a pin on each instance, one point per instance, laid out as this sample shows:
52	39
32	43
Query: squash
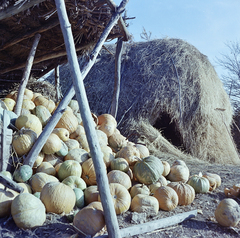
68	121
116	141
88	172
29	121
119	164
35	95
7	174
214	180
28	93
148	170
91	194
79	155
117	176
139	189
82	140
52	144
102	138
38	181
58	197
143	150
79	197
167	198
107	155
166	169
28	211
199	183
72	144
145	203
48	103
26	187
10	103
47	168
53	159
185	192
75	182
73	104
42	113
39	160
23	173
69	167
107	123
178	173
90	219
227	212
6	197
63	151
23	140
80	130
62	133
120	196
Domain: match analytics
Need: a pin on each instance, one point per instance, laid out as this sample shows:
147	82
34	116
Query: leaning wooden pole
102	180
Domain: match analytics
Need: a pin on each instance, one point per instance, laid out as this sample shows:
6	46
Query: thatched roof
88	19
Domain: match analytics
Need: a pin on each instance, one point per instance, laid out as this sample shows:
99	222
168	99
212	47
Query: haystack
171	99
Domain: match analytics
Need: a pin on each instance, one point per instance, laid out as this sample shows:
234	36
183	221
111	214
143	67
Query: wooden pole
57	84
96	154
26	74
9	183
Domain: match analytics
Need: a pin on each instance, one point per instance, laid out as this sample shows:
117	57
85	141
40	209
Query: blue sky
206	24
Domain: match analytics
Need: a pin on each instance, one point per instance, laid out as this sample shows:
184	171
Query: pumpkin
178	173
166	168
116	141
35	94
7	174
28	104
120	196
161	182
42	113
179	162
80	130
129	153
48	103
107	155
79	117
91	194
68	121
90	219
167	198
28	211
82	140
148	170
29	121
231	192
79	197
22	173
119	164
139	189
143	150
10	103
102	138
11	95
214	180
79	155
38	181
227	212
199	183
63	151
107	123
69	167
53	159
39	160
62	133
26	187
23	140
28	93
75	182
145	203
73	104
117	176
58	197
52	144
6	197
47	168
72	144
185	192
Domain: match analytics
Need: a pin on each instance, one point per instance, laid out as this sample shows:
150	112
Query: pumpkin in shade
117	176
6	197
42	113
63	151
79	197
28	211
58	197
107	123
68	121
82	140
26	187
120	196
119	164
116	141
167	198
185	192
80	130
48	103
47	168
68	168
77	154
227	212
38	181
75	182
90	219
22	173
39	160
139	189
53	159
91	194
145	203
178	173
52	144
199	183
23	141
29	121
72	144
107	155
148	170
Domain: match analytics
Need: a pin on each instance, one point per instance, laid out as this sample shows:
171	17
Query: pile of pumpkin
63	179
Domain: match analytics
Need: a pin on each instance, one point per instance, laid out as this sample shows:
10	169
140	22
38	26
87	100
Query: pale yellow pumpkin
48	103
80	130
53	159
68	168
39	160
52	144
139	189
107	123
10	103
47	168
117	176
28	104
72	144
62	133
178	173
116	141
91	194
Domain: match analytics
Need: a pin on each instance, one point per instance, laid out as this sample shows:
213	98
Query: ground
203	225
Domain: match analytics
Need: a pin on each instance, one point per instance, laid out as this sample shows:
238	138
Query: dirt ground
203	225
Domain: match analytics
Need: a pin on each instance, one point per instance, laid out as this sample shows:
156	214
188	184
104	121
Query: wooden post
102	180
9	183
57	83
114	105
26	74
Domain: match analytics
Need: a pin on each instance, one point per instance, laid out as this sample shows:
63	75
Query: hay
170	86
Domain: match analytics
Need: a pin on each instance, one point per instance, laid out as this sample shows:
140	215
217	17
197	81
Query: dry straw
167	88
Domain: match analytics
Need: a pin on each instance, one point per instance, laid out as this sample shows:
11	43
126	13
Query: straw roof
20	20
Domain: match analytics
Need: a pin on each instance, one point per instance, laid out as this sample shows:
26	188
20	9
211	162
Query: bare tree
231	63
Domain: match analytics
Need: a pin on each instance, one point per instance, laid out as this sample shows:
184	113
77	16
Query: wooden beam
9	183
